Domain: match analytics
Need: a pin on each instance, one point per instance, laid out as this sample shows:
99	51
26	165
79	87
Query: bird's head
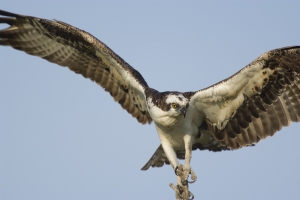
177	104
168	108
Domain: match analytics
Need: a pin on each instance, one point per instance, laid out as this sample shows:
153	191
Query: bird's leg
183	171
181	190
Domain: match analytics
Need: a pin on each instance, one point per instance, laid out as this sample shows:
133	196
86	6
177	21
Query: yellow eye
174	105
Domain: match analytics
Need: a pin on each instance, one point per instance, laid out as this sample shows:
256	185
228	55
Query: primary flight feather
237	112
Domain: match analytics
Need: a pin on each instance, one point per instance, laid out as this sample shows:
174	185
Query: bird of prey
237	112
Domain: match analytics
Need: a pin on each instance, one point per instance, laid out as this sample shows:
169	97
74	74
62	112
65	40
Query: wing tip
9	14
145	168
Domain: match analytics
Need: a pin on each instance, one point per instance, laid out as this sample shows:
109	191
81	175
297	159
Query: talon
191	195
193	176
192	181
176	168
183	172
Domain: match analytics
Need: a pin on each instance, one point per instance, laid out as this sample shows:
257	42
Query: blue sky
63	137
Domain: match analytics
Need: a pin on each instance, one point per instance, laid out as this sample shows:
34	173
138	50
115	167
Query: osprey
237	112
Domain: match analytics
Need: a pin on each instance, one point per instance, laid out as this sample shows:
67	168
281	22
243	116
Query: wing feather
67	46
281	113
289	106
158	159
274	121
254	103
244	139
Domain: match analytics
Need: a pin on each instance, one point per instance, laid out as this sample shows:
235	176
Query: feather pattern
265	95
237	112
67	46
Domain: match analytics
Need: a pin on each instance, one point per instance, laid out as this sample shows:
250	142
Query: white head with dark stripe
177	104
169	107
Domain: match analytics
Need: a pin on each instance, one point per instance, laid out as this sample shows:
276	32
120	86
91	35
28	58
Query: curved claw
192	173
193	176
176	168
193	180
191	195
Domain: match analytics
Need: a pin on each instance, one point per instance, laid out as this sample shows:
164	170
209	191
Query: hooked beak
183	111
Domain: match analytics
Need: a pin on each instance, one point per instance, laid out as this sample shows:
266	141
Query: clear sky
63	137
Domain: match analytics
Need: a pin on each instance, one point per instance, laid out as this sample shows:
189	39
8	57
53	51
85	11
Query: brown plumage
239	111
271	107
68	46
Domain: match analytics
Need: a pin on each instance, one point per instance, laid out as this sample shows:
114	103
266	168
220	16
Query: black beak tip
183	111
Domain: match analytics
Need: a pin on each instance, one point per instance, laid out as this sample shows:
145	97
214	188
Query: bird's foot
182	192
193	176
183	171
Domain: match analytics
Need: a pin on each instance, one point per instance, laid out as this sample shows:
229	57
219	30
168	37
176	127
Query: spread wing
82	53
254	103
